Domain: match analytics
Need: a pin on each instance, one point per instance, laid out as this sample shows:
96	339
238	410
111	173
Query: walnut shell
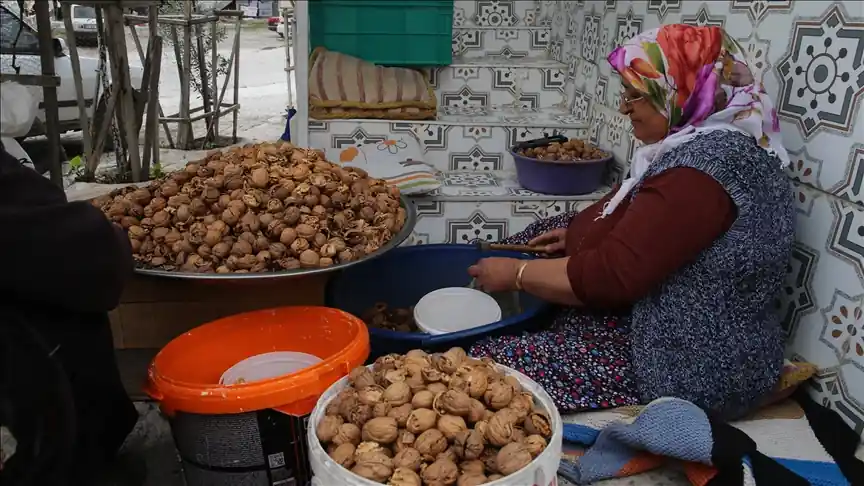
469	444
370	395
450	425
420	420
347	434
451	360
477	411
398	393
343	455
404	440
453	402
441	472
328	428
404	477
472	466
374	466
436	388
500	430
473	479
499	394
512	457
522	404
360	377
423	399
401	414
381	409
408	458
431	443
381	429
369	447
359	414
535	444
477	383
538	422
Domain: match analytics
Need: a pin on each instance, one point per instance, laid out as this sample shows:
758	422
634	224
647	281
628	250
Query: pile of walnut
434	420
258	208
572	150
382	317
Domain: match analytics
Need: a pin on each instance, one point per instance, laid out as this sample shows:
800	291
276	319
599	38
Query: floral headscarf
699	79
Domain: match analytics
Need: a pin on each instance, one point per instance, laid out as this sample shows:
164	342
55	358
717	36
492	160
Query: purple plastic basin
567	178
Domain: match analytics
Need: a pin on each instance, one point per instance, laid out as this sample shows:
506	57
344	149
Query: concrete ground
263	89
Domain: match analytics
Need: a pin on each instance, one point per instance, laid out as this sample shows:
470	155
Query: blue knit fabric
711	334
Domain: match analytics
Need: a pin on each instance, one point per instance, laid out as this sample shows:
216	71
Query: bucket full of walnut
428	419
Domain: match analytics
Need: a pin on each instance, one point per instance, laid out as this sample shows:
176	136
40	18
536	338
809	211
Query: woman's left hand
495	274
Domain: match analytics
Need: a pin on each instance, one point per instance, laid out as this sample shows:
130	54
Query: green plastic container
387	32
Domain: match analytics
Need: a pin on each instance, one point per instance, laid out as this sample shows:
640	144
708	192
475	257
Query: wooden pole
120	75
151	131
49	94
214	68
105	125
79	87
236	75
186	129
153	33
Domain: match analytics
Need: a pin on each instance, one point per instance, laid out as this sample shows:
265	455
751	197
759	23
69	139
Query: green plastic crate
392	33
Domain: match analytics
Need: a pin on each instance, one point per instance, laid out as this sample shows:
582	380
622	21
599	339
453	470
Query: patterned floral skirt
582	359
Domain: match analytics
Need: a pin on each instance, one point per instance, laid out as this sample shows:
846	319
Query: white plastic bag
18	108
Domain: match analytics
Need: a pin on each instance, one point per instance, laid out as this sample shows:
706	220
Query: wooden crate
153	311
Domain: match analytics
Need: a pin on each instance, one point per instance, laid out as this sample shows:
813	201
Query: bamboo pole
214	68
120	74
236	76
186	130
140	49
151	131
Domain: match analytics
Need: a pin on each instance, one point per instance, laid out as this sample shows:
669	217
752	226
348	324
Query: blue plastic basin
404	275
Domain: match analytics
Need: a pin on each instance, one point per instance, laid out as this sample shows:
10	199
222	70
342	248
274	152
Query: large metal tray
398	238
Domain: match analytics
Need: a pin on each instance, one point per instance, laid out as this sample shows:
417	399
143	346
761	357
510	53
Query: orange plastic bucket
185	374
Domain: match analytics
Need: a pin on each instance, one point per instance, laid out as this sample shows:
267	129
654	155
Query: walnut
440	473
431	375
489	457
472	479
360	414
374	466
343	455
477	411
422	399
382	430
404	440
512	381
370	395
408	458
401	414
404	477
495	477
347	401
512	457
499	394
453	402
347	434
472	467
477	383
450	425
398	393
535	444
538	423
522	404
418	357
470	443
381	409
328	427
420	420
448	454
436	388
430	443
500	430
450	361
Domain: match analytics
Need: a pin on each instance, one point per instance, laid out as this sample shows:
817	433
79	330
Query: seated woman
669	283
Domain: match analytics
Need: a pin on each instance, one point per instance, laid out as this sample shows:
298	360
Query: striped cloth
774	447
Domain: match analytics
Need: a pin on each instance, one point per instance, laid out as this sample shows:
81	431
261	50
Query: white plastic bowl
455	309
267	365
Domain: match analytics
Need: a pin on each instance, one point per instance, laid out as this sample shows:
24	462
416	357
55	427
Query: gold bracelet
519	273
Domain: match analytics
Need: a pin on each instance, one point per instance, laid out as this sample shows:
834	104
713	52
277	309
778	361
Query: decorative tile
822	73
851	186
662	7
518	42
496	185
703	17
756	9
627	27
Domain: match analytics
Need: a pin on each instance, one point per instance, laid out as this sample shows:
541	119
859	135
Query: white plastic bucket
542	471
267	365
455	309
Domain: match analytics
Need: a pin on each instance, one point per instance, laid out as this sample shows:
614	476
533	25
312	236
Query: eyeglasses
629	101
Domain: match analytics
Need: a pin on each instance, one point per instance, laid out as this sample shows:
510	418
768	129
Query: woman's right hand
552	241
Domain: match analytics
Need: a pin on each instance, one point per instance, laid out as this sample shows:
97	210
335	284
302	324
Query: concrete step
461	138
532	82
478	42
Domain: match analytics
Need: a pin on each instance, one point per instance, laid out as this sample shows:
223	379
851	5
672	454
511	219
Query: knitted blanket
774	447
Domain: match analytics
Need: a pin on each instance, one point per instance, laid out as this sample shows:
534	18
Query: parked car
281	29
272	22
26	54
84	24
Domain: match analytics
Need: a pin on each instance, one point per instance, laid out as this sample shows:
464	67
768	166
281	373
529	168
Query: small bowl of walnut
560	166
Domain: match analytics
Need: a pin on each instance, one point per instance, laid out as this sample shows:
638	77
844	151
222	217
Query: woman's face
649	125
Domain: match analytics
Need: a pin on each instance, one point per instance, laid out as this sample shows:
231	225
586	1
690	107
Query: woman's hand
495	274
553	241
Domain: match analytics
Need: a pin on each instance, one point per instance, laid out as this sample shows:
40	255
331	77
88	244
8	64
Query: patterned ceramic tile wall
810	55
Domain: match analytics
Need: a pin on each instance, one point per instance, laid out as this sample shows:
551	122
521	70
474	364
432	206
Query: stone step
487	205
532	82
478	42
470	138
498	13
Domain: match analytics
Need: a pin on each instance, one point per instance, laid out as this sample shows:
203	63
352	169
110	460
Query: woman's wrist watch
519	272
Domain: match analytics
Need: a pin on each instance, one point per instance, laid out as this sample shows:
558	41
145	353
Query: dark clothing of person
60	391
